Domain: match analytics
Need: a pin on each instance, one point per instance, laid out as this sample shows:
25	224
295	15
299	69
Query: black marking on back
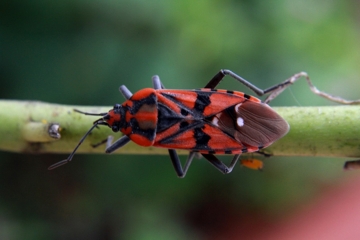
247	96
150	100
148	133
202	139
166	118
230	92
183	128
232	113
202	101
116	126
184	110
184	125
228	152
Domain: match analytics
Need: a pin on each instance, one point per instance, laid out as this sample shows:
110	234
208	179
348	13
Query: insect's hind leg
223	72
279	88
219	164
260	92
275	90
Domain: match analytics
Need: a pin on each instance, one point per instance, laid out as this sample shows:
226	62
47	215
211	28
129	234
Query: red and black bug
206	121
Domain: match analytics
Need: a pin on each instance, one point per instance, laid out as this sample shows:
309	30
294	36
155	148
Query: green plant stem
314	131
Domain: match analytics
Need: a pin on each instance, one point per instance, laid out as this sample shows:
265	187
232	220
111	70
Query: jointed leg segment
275	90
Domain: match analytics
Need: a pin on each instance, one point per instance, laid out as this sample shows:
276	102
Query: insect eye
117	106
115	128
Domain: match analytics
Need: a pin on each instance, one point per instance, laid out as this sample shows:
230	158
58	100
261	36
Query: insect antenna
60	163
91	114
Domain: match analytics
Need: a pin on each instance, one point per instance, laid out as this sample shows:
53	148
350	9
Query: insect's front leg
110	146
117	144
108	142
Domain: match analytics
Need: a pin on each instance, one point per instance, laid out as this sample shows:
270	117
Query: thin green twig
314	131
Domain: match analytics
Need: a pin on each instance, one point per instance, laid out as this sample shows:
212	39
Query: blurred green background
80	52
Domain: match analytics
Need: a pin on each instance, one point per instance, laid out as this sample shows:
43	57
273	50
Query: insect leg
274	91
223	72
279	88
263	153
219	164
111	147
125	92
157	84
118	144
108	142
180	171
58	164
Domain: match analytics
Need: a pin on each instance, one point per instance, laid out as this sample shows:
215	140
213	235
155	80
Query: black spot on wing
184	112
